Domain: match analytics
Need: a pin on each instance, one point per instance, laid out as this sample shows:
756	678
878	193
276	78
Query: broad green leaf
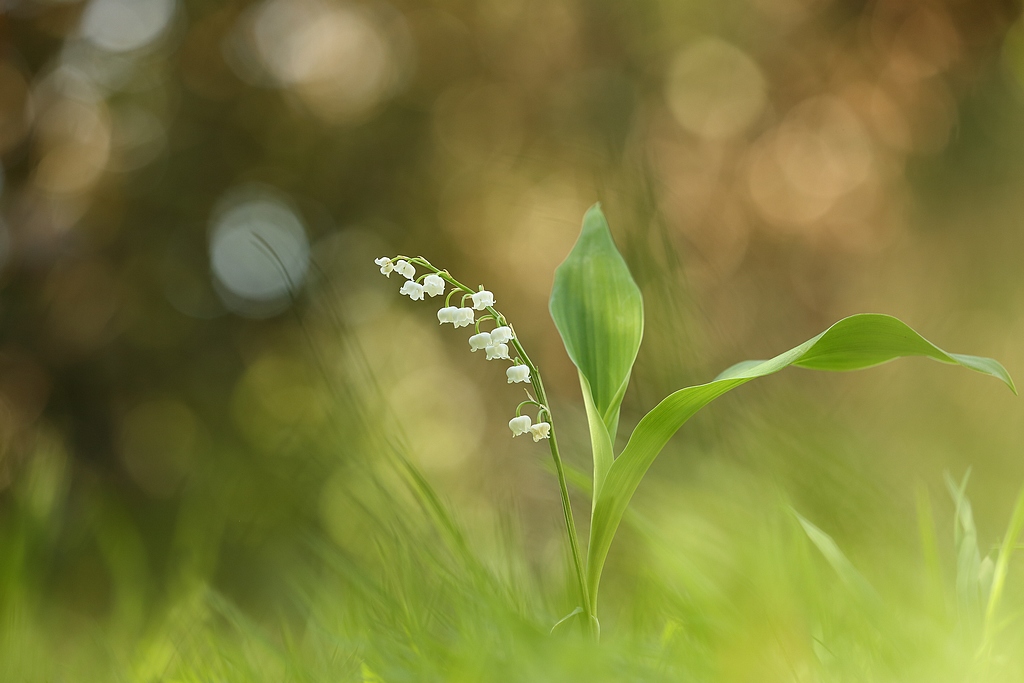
598	310
856	342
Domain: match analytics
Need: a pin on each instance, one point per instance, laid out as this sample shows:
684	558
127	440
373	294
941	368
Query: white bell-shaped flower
500	335
482	300
464	317
447	315
518	373
541	430
496	351
403	267
386	266
519	425
413	290
479	341
433	285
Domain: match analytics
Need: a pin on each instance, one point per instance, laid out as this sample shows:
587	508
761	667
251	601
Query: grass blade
1003	563
837	560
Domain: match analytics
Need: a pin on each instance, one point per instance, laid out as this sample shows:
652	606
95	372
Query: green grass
731	583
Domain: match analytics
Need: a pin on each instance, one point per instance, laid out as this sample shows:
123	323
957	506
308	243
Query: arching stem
542	400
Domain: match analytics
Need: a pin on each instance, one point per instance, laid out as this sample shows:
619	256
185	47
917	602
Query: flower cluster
520	424
494	344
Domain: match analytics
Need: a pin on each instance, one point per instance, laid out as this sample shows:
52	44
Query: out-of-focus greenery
230	451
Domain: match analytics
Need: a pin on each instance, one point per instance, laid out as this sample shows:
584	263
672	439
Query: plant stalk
538	387
570	524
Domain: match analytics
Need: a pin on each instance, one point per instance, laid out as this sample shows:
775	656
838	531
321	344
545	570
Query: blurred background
203	376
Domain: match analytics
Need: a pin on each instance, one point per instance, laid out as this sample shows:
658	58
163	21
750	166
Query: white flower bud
464	317
447	315
500	335
541	430
413	289
479	341
386	266
482	300
496	351
433	285
519	425
405	268
518	373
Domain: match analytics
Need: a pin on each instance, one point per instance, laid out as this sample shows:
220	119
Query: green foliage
970	579
424	600
599	312
1001	569
837	559
595	305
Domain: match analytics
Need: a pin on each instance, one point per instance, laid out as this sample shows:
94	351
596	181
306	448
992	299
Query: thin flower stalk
483	300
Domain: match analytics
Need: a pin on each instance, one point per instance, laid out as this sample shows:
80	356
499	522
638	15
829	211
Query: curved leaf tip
869	339
863	341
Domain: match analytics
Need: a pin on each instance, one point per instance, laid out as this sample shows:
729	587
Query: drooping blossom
386	266
541	430
413	290
482	299
447	314
479	341
518	373
496	351
403	267
464	317
519	425
433	285
500	335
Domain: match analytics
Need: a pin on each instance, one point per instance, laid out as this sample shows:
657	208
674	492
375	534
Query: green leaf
600	441
598	310
856	342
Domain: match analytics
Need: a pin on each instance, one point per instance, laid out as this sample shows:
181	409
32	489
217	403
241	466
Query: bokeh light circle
340	59
259	251
714	89
124	25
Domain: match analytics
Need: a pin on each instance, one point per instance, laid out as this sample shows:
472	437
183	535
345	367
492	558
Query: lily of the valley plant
598	310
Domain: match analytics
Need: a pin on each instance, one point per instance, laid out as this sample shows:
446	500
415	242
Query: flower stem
538	387
570	524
